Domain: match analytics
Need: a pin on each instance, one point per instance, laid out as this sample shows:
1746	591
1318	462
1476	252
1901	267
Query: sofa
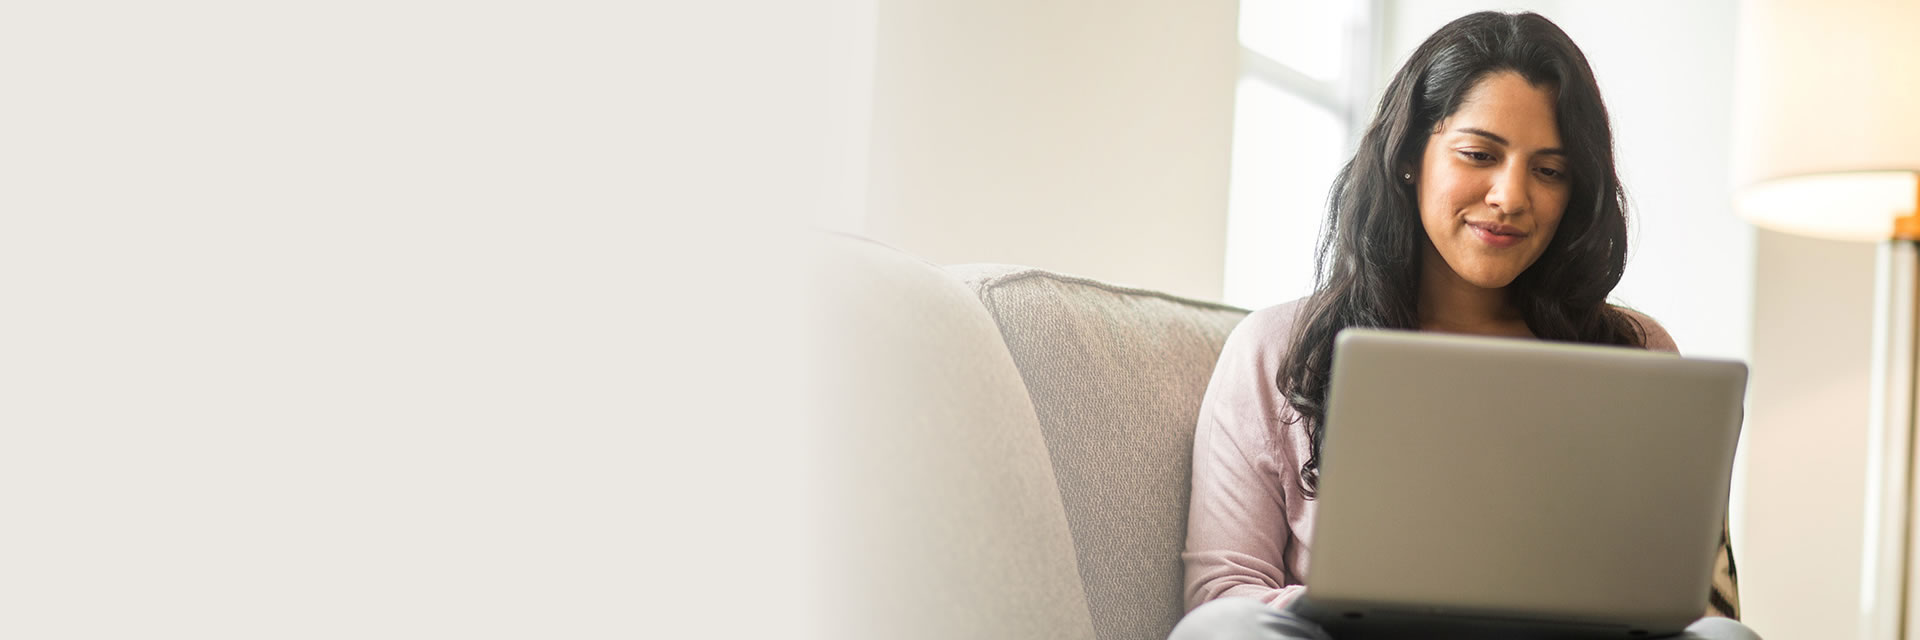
1003	450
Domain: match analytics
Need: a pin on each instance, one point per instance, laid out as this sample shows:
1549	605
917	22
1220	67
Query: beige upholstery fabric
944	517
1116	376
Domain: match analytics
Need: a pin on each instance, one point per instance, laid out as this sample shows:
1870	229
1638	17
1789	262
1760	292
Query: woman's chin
1491	279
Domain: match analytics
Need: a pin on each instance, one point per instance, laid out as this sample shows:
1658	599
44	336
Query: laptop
1506	488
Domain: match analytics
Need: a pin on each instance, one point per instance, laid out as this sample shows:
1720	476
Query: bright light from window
1285	154
1309	35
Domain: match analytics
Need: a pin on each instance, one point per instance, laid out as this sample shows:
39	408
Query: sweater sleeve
1238	536
1723	597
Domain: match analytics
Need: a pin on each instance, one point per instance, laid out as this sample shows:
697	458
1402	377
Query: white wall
1082	136
405	319
848	82
1806	436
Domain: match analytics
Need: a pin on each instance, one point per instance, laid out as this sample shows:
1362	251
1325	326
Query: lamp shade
1827	116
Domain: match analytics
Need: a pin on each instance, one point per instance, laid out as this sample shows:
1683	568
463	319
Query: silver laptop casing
1545	489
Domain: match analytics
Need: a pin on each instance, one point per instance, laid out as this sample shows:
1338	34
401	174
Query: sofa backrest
1116	375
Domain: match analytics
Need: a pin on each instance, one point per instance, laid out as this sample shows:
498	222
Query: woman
1482	200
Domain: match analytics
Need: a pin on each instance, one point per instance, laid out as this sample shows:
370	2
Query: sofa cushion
1116	376
944	518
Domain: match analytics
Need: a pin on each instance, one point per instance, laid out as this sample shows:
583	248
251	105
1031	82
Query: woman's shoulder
1242	402
1254	353
1265	333
1277	317
1652	336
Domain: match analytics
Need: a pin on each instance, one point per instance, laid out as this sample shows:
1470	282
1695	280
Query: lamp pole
1884	570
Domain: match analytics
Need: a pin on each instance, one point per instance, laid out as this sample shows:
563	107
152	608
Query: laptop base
1350	621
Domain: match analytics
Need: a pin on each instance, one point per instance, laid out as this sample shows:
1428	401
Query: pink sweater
1248	526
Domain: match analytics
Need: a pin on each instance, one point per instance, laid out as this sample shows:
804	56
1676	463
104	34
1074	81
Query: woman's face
1493	182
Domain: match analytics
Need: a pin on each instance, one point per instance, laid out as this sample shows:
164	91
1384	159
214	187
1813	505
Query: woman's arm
1238	535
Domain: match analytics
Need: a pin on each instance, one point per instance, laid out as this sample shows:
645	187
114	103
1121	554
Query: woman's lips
1497	235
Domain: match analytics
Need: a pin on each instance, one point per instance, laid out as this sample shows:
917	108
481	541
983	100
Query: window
1305	91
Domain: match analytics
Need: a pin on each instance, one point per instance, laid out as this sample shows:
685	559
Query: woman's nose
1509	190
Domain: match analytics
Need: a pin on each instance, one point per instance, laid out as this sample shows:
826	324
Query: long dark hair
1369	254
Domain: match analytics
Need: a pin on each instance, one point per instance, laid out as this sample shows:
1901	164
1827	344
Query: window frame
1349	97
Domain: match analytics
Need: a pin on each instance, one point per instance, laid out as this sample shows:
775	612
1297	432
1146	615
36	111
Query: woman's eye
1552	173
1478	156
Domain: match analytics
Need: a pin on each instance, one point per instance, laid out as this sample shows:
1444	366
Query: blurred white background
409	318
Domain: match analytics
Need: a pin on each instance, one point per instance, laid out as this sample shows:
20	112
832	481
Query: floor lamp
1827	144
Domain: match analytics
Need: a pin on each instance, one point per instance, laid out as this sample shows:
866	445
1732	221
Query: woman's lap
1248	619
1244	619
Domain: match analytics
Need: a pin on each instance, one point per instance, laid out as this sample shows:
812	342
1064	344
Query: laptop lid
1532	484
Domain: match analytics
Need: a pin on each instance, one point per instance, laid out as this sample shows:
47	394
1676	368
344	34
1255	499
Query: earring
1406	177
